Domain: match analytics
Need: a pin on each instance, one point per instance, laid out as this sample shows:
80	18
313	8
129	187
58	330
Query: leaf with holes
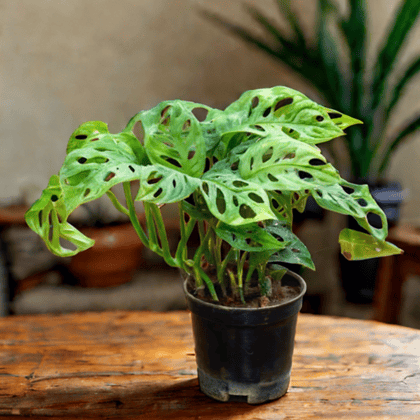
283	203
84	134
286	164
251	238
48	218
160	185
90	171
204	114
233	200
295	253
268	111
361	246
173	138
354	200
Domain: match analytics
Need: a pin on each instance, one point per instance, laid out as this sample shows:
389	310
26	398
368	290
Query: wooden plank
141	365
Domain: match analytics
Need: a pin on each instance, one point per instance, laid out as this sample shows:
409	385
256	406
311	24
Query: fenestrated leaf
160	184
295	253
233	200
48	218
257	111
173	137
283	203
354	200
251	238
286	164
361	246
90	171
84	133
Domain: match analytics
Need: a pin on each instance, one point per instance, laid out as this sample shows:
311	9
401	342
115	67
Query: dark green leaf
251	238
295	253
400	28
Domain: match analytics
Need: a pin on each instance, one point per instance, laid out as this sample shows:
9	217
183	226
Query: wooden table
140	365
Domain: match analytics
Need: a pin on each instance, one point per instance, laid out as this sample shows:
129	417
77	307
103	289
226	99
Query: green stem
161	230
241	264
208	282
116	203
186	231
133	216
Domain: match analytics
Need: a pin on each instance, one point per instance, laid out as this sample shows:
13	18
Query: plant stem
241	263
133	216
201	273
116	203
186	230
158	221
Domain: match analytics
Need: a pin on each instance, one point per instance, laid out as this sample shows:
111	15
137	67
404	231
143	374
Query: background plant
237	175
335	64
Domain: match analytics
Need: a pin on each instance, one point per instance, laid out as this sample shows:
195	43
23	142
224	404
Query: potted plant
334	63
238	175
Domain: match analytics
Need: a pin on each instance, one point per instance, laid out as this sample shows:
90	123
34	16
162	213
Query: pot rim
238	310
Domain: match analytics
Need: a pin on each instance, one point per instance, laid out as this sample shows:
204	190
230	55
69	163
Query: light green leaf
251	238
258	111
233	200
48	218
160	184
354	200
361	246
174	138
286	164
91	170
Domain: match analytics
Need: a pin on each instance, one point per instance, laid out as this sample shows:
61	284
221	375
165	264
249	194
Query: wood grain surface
140	365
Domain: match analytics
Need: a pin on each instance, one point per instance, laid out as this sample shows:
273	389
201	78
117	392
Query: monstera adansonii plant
237	175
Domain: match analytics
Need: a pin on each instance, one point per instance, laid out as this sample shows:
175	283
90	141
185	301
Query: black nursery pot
245	354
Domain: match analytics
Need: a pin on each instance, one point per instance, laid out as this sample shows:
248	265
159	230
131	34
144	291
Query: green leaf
410	72
263	111
251	238
160	184
411	126
285	164
174	138
400	28
354	200
233	200
91	170
295	253
48	218
354	30
328	53
84	133
361	246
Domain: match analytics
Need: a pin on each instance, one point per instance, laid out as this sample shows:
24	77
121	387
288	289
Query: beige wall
66	62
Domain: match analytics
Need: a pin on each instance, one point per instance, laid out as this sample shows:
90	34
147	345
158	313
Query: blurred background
67	62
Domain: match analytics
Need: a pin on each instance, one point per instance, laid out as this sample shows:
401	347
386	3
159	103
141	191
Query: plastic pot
245	354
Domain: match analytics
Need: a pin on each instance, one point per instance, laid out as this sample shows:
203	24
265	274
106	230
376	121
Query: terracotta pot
113	259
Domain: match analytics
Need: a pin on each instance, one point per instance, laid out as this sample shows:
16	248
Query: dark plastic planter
245	354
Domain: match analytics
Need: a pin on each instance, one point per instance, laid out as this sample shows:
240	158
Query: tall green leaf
399	30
